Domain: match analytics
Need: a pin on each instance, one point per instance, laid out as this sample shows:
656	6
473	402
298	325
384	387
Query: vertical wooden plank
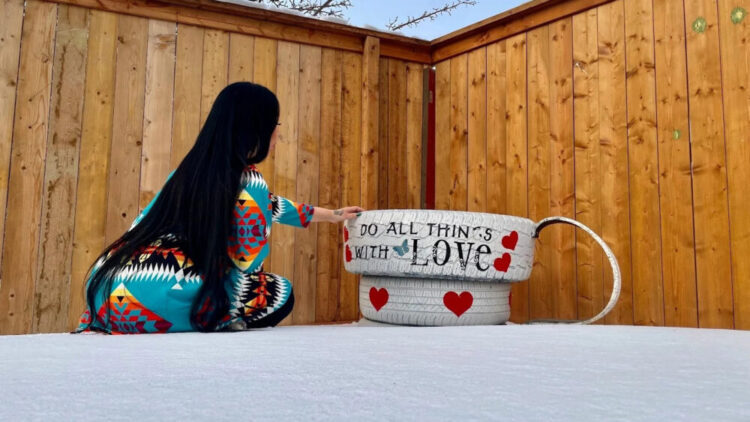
588	170
264	62
351	120
127	125
157	111
397	182
26	178
370	122
11	18
734	30
93	167
648	300
541	295
187	92
215	65
517	155
265	56
477	128
562	168
61	171
496	128
285	164
241	54
711	213
675	184
442	135
615	192
383	155
329	191
458	156
414	110
308	148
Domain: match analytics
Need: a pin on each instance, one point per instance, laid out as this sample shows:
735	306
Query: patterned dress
154	290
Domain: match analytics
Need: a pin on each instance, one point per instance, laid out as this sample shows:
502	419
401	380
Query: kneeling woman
193	259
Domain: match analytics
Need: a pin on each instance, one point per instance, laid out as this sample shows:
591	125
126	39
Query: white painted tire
419	301
454	245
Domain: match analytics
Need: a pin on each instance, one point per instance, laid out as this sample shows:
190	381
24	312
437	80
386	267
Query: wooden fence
98	106
632	117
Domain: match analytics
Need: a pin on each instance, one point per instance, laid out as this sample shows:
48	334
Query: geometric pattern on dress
162	261
129	316
286	211
248	235
305	214
257	295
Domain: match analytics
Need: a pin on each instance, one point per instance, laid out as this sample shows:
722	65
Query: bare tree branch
336	8
395	25
314	8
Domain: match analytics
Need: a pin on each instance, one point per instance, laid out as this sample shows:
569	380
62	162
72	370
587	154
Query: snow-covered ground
373	372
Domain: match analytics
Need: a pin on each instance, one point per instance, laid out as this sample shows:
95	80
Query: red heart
346	235
378	298
458	304
502	264
509	241
348	254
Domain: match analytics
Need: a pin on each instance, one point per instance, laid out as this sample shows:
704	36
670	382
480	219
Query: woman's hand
335	216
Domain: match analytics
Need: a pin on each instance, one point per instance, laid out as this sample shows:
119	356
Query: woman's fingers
346	213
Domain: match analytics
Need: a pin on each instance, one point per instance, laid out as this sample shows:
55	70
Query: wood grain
329	193
613	134
26	179
61	172
413	120
370	123
397	176
308	158
241	55
442	135
477	131
265	58
675	182
497	141
351	147
517	154
588	163
458	151
711	213
285	170
157	112
562	169
541	292
11	19
735	68
127	125
215	68
648	300
383	156
96	140
186	120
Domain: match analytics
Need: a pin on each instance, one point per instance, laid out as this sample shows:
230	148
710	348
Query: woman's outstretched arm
335	216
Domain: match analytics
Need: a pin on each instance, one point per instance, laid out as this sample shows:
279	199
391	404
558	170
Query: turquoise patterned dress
154	290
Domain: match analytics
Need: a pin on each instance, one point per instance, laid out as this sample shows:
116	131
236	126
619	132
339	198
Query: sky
378	13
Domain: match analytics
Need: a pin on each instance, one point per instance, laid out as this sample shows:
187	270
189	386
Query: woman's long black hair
196	203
